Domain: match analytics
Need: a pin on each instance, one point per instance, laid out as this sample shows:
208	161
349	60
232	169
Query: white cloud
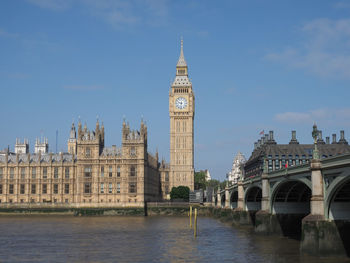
342	5
319	115
325	50
118	13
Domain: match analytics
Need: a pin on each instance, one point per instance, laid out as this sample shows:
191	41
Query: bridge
310	202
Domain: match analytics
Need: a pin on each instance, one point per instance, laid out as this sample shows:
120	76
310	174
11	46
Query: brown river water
139	239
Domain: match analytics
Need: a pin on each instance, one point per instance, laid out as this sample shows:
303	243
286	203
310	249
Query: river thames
138	239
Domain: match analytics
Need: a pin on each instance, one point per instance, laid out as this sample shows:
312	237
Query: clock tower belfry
181	112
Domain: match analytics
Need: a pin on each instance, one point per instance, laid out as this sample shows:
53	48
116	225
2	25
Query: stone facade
90	174
181	112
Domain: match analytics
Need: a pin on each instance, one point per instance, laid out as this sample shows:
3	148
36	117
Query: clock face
181	103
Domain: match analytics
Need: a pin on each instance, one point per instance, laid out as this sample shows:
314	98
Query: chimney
342	138
255	145
294	138
259	143
320	140
271	135
334	138
262	140
327	140
266	137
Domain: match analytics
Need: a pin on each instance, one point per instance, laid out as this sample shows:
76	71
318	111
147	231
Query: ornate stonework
181	111
237	168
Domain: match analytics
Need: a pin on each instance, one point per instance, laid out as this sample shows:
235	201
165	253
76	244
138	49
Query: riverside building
89	174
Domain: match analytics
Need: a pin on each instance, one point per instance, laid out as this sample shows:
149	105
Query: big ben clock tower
181	112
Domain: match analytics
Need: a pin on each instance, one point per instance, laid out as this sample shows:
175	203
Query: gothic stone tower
181	111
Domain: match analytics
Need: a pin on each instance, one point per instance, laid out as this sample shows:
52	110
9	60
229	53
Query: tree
180	192
213	183
199	180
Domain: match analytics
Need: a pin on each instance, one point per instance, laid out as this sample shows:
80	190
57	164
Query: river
50	238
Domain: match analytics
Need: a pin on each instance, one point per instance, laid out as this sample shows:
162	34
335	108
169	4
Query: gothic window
44	172
10	189
12	173
1	189
22	189
23	173
290	161
110	172
132	171
178	126
118	188
132	187
167	176
66	188
303	158
283	161
87	171
44	188
33	173
184	126
110	188
87	152
66	173
102	189
55	188
1	172
87	188
55	173
118	171
133	151
33	188
102	171
277	162
297	159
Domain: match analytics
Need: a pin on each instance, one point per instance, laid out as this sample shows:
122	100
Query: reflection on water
137	239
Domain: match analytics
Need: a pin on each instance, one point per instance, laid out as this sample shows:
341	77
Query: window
66	200
118	171
132	171
55	173
102	171
277	162
44	172
110	188
33	173
1	172
283	161
1	189
66	188
132	188
23	173
110	171
87	152
33	188
55	188
102	188
10	189
167	176
296	159
303	159
12	173
133	151
87	188
44	188
66	172
87	171
22	189
290	161
118	188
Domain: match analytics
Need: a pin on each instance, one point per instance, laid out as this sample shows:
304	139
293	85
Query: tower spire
181	62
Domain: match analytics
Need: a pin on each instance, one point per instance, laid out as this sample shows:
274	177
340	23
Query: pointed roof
181	62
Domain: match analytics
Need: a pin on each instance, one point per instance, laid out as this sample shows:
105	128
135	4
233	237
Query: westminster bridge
310	202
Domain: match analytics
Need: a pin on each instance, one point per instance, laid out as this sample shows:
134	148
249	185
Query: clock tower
181	112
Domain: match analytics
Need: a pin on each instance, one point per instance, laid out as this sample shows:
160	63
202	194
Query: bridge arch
291	197
234	199
252	197
338	198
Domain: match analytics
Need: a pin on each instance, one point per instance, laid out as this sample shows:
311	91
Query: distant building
207	174
279	156
237	168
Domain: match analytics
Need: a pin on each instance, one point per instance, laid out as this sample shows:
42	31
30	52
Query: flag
262	132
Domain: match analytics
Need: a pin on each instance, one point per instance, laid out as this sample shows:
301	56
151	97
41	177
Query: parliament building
90	174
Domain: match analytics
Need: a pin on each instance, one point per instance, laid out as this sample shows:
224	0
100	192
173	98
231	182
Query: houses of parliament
91	174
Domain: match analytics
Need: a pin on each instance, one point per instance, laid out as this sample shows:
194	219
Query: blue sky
255	65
